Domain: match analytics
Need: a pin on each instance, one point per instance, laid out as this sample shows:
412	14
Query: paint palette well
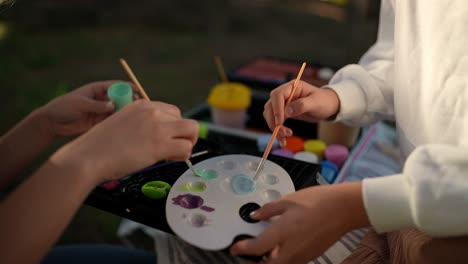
209	214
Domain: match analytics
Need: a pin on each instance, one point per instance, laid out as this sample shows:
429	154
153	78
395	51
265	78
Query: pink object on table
283	153
110	185
336	154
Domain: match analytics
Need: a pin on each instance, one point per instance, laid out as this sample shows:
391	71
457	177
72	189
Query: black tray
126	200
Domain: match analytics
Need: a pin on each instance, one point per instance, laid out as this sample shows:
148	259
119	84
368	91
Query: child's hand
137	136
79	110
309	103
309	222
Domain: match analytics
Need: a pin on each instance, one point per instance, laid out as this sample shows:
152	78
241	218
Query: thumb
98	107
269	210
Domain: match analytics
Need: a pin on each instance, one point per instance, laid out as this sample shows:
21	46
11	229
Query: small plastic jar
229	103
336	154
315	146
329	171
307	157
120	94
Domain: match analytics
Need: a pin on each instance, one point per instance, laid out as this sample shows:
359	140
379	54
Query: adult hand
309	222
76	112
309	103
135	137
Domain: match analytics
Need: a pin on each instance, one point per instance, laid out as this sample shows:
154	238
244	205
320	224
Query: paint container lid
230	96
315	146
336	154
307	157
294	144
329	171
325	73
202	130
283	153
262	142
120	94
156	189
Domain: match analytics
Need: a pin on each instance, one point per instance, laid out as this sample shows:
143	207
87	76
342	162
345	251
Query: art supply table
144	196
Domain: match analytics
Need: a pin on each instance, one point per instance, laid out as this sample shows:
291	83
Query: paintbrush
277	128
221	72
143	93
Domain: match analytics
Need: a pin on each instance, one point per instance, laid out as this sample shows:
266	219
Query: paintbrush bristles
221	72
134	79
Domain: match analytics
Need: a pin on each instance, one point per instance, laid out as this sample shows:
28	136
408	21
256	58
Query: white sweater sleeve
365	90
431	194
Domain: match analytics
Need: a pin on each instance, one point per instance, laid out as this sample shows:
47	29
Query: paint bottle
283	153
337	154
263	140
329	171
294	144
202	130
325	73
229	103
315	146
120	94
156	189
307	157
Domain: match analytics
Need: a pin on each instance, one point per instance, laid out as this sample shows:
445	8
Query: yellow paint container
315	146
229	103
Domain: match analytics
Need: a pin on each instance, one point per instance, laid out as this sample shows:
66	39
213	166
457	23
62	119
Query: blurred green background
49	47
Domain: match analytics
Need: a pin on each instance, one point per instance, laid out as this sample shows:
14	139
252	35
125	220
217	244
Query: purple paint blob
198	220
207	208
283	153
188	201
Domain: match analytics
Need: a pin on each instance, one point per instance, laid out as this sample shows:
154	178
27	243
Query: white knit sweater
417	74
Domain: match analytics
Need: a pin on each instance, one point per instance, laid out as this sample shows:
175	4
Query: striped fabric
170	249
342	248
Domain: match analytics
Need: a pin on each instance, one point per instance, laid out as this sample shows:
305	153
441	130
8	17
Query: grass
173	60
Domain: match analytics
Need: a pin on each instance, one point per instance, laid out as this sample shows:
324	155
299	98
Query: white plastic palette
216	229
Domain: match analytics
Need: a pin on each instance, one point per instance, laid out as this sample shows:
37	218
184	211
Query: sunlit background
49	47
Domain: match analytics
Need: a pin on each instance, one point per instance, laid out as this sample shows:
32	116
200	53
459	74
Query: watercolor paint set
168	197
127	198
207	200
268	73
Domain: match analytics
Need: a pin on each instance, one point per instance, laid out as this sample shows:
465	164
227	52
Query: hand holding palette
211	212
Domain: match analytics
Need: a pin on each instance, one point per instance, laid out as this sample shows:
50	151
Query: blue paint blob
242	184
